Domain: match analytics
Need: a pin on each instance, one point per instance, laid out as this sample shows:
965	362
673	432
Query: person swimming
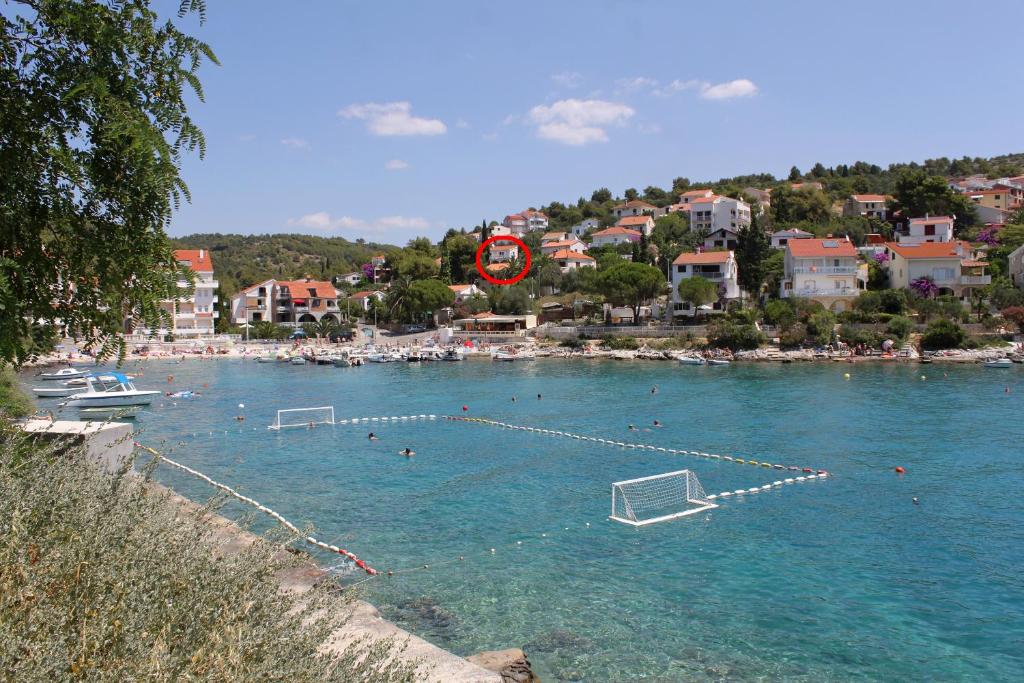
312	424
408	452
371	436
658	424
633	428
654	389
239	417
538	397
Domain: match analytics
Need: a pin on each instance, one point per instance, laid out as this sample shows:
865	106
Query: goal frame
277	426
703	504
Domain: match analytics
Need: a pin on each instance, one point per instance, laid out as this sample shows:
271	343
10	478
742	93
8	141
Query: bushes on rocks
855	335
616	343
900	327
943	334
793	336
820	326
1015	315
727	334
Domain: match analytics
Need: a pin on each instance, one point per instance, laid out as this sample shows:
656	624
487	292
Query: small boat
110	389
267	358
57	392
691	360
342	361
297	360
717	361
452	354
999	363
377	358
110	413
64	374
414	356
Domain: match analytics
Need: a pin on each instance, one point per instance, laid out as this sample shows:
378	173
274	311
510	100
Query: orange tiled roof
695	193
199	259
497	266
571	255
870	197
364	294
636	204
634	220
616	230
810	248
300	288
931	249
706	257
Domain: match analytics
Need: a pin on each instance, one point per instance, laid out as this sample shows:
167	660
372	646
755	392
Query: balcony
975	279
710	276
846	292
185	316
826	270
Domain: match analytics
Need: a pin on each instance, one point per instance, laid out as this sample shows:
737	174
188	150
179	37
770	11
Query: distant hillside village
660	257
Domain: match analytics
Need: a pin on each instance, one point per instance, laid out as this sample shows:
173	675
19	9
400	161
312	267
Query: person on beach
372	437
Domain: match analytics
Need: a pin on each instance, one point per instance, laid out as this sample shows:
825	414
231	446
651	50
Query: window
835	263
929	230
316	303
840	284
257	317
680	269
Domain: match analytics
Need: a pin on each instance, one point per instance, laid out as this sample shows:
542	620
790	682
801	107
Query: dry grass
104	578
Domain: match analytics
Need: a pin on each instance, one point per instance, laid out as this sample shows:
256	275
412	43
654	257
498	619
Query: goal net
658	498
304	417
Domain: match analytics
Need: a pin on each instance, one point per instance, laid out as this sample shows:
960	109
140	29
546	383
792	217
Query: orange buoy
900	470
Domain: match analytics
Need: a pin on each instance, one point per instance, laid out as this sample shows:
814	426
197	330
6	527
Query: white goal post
304	417
658	498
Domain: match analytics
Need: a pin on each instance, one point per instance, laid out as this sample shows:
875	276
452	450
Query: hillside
242	260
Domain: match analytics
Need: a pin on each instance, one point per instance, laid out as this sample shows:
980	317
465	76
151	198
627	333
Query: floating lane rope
700	454
262	508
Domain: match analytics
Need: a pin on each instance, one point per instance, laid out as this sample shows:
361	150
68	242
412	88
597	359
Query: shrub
900	327
616	343
793	336
1015	315
820	326
13	401
943	334
102	577
572	343
779	312
859	335
727	334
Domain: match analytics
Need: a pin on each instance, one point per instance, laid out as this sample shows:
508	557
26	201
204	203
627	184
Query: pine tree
752	248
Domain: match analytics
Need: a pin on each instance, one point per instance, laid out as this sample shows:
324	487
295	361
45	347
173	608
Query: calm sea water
842	579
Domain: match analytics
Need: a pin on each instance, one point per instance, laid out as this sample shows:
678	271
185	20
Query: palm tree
324	327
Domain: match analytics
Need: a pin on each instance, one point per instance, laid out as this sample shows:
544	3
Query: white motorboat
267	358
999	363
691	360
297	360
64	374
57	392
110	389
378	358
452	354
717	361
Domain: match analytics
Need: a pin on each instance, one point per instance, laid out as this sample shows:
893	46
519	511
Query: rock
559	639
428	612
512	664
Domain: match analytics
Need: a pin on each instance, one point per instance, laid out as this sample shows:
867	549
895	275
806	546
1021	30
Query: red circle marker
502	238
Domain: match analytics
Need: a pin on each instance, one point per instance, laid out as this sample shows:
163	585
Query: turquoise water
841	579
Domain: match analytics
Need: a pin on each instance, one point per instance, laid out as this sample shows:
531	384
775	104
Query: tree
698	291
414	265
632	284
900	327
631	194
924	287
780	312
916	193
94	128
794	174
727	334
820	326
601	196
943	334
422	245
752	248
804	205
459	257
428	296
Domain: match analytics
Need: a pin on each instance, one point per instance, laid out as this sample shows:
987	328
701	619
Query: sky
388	120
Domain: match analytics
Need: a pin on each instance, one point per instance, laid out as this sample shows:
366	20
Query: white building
634	207
194	315
362	299
254	304
571	260
781	237
691	196
718	267
502	252
465	292
823	270
644	223
720	217
573	244
615	235
287	302
350	278
585	226
927	229
1016	268
867	206
526	221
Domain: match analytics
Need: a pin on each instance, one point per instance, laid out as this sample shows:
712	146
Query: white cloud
675	86
741	87
568	79
396	165
635	83
386	226
578	122
393	118
294	143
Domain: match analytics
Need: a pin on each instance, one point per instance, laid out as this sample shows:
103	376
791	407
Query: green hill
241	260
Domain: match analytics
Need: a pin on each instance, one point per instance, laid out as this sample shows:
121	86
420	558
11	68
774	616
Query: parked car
411	329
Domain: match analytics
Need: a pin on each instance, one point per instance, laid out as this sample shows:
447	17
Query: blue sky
387	120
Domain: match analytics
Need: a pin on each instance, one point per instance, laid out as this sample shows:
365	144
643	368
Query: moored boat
691	360
58	392
717	361
110	389
999	363
64	374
